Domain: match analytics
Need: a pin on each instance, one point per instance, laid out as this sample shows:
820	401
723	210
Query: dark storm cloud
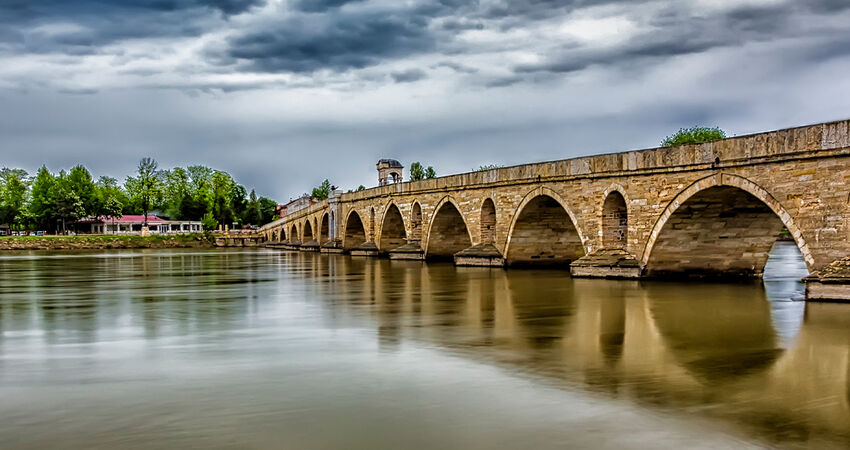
546	9
320	5
334	41
90	24
677	32
408	76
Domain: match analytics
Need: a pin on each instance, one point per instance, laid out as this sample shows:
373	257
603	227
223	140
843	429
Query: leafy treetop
694	135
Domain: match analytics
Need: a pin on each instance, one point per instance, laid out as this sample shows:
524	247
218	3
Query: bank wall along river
264	349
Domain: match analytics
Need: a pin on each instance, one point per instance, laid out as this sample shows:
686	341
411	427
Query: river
267	349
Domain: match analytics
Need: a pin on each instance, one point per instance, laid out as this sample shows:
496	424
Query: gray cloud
334	41
91	24
678	31
321	5
408	76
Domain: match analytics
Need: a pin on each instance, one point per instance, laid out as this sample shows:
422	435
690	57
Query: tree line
50	201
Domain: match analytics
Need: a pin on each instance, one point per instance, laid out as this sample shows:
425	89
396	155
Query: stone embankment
102	242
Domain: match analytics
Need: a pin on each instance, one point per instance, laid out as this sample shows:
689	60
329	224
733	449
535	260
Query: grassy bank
197	240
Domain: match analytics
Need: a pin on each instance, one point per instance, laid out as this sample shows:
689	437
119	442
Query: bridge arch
544	231
393	233
323	228
371	231
488	221
416	222
355	232
614	223
448	232
751	217
307	231
293	233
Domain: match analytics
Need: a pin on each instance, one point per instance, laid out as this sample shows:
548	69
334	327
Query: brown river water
266	349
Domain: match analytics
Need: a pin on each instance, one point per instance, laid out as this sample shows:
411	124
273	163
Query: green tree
42	201
146	187
222	186
323	191
238	201
201	189
14	187
361	188
267	207
253	214
208	222
177	198
81	183
67	206
693	135
108	187
416	171
112	209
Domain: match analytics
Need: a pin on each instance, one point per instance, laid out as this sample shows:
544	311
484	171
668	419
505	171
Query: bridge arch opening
372	225
393	233
615	221
543	234
323	230
307	233
355	232
719	231
448	233
293	234
416	223
488	221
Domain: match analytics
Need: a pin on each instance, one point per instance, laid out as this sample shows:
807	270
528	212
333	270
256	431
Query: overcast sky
285	93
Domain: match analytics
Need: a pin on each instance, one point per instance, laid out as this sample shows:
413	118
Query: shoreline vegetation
106	242
54	202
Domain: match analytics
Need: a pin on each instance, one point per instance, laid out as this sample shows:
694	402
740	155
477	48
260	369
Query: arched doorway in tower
448	234
323	236
719	232
544	234
393	234
488	222
416	223
355	232
615	221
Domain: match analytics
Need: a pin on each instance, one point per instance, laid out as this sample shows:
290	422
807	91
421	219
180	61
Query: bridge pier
332	246
830	284
365	249
411	252
481	255
606	263
310	246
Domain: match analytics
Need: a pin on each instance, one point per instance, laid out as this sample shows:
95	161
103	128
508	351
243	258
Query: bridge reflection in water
268	348
747	353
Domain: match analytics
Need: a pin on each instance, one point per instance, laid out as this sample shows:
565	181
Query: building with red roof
134	224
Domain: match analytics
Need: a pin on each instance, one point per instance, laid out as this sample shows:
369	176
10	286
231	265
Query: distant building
133	224
305	201
390	171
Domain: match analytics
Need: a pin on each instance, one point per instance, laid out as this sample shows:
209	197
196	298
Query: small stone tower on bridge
390	171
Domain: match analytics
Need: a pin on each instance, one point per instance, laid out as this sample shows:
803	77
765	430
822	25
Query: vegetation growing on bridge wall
694	135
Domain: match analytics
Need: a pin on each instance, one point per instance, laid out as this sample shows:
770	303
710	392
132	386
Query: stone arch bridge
713	209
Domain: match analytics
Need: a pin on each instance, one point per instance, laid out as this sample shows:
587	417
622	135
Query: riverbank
93	242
